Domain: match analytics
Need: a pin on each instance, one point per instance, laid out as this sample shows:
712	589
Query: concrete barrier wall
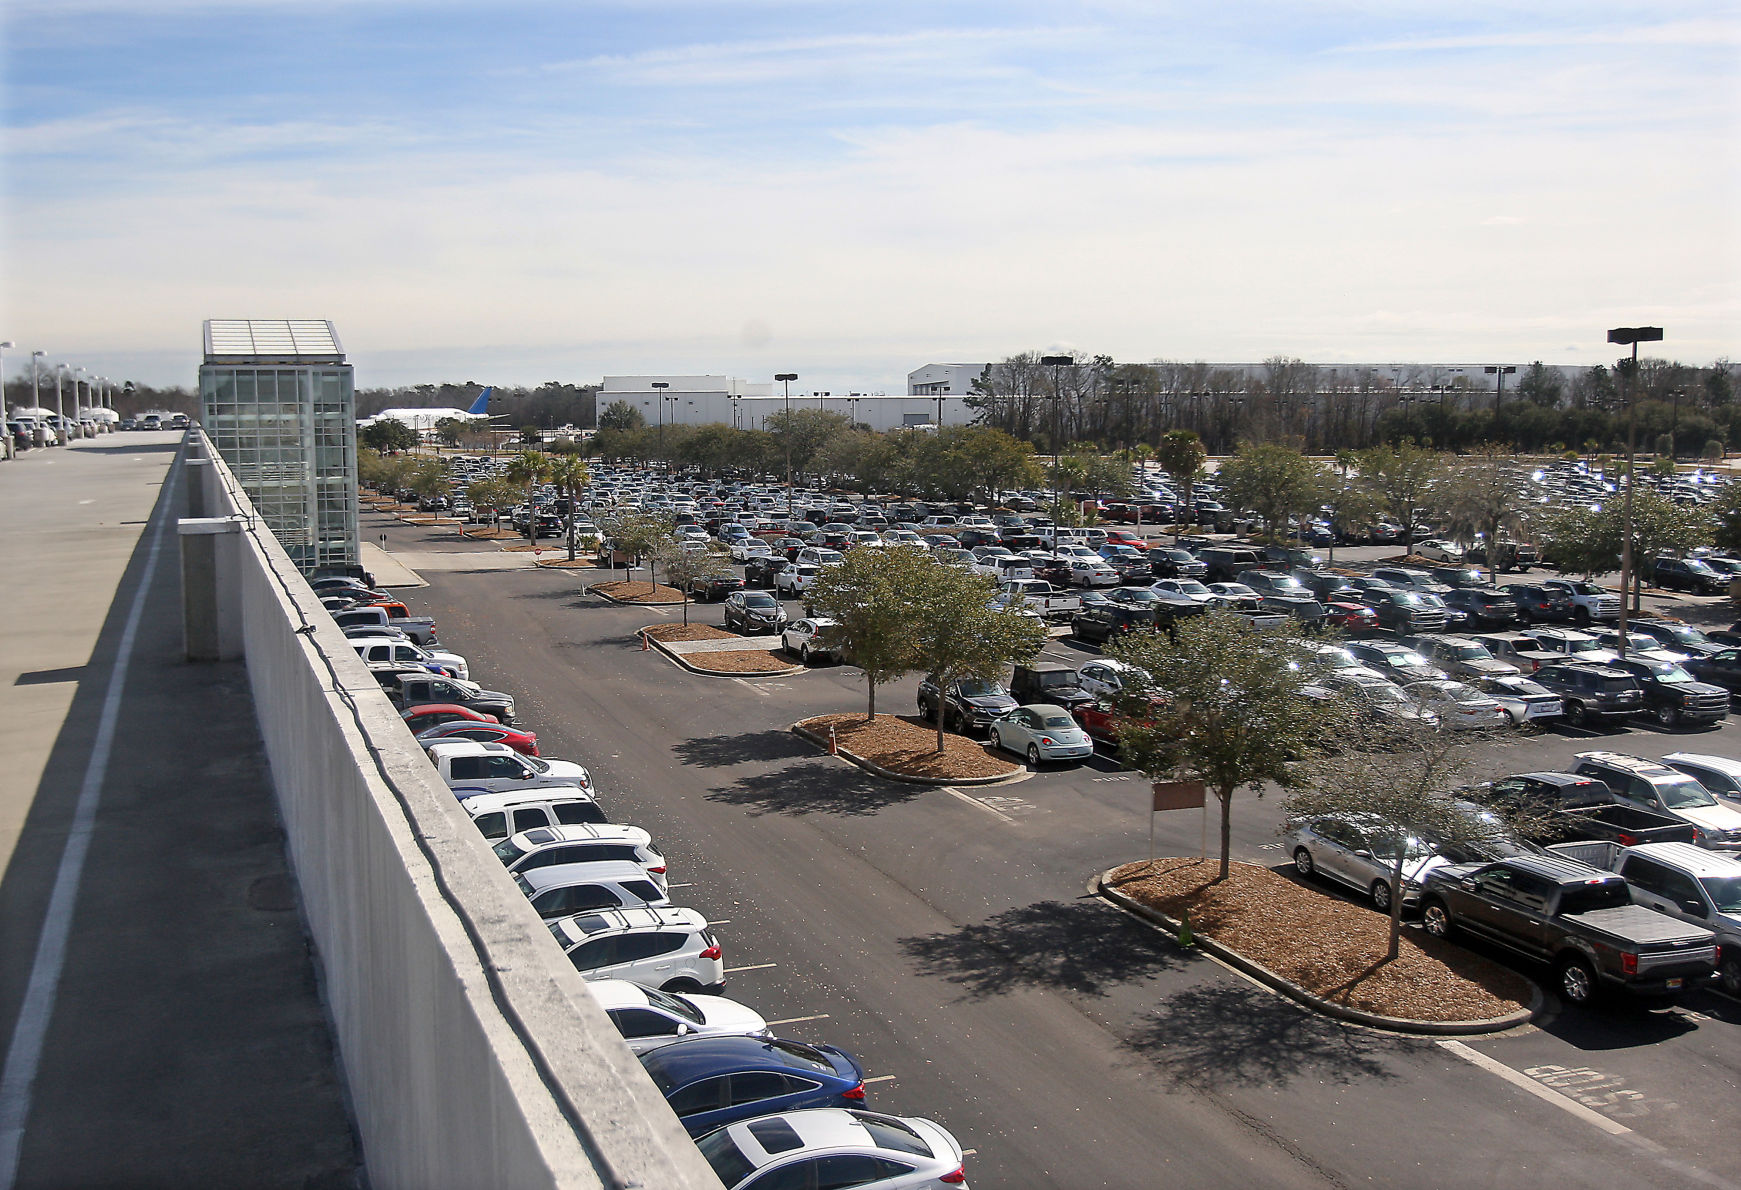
474	1054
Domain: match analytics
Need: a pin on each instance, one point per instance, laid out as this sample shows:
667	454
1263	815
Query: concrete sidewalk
183	1042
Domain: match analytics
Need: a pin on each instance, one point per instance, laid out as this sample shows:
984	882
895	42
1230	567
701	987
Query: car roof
582	926
586	832
483	803
553	875
1723	764
1695	859
1559	869
1045	708
697	1057
1636	765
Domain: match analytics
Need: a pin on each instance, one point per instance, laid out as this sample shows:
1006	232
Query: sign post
1177	795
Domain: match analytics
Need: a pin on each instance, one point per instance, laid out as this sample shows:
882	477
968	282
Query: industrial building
727	400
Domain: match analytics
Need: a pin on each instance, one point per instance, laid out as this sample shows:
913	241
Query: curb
589	590
871	766
722	673
1097	886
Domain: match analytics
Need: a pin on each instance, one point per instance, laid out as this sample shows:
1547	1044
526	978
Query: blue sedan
714	1081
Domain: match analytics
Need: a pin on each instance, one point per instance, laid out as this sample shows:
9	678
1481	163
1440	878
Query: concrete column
211	589
198	479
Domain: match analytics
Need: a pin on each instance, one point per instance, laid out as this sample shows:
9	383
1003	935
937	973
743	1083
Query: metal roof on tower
272	341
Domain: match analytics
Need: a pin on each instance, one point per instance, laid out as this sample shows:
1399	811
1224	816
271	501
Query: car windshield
1408	597
1059	721
1688	636
1383	693
674	1004
1190	586
508	851
978	688
537	764
1473	653
761	601
1405	657
1724	891
1586	589
1684	794
1584	646
1386	846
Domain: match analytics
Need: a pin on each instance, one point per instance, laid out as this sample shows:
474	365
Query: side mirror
1693	907
683	1030
1363	853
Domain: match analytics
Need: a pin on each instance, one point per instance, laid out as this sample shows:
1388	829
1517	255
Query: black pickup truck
1578	920
1572	808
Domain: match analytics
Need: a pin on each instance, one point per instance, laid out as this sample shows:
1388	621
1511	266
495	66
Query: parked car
414	690
1406	612
426	715
1589	602
711	588
648	1018
969	705
1655	786
751	612
793	581
1042	732
1720	775
1459	706
1593	695
1694	575
834	1147
1439	550
1048	682
499	815
1578	920
546	846
1486	607
1673	696
814	638
760	572
1721	668
1534	602
714	1081
1671	634
1104	621
1395	661
1566	806
1524	700
523	742
563	889
671	949
1359	851
1172	562
1381	700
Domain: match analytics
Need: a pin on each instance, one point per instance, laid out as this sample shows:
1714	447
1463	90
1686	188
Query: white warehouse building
727	400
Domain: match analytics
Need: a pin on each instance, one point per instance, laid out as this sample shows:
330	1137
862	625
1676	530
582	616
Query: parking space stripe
881	1078
973	801
1523	1082
751	967
798	1020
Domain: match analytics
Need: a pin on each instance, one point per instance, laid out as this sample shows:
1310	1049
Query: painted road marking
751	967
973	801
749	685
1524	1082
799	1020
1593	1088
881	1078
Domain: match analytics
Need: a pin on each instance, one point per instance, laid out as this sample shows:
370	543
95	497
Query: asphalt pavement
944	936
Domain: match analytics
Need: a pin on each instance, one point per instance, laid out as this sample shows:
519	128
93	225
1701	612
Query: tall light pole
35	378
76	372
4	348
786	378
1056	363
1633	335
659	398
59	406
1499	390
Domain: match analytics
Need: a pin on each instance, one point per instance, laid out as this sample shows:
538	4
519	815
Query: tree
1726	518
570	475
1540	385
494	493
1400	477
620	415
1480	496
1216	700
684	567
427	478
1274	481
958	632
637	534
1659	527
1582	540
529	467
871	596
448	430
1347	500
388	434
1181	456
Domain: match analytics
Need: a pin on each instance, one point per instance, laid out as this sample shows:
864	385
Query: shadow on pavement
815	787
1616	1022
1235	1034
720	750
131	448
1075	946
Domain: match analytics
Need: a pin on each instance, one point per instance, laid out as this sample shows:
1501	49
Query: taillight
1628	963
856	1093
711	952
958	1178
659	871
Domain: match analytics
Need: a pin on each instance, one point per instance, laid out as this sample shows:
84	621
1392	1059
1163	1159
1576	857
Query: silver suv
669	949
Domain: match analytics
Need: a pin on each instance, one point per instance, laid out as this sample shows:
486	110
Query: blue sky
518	192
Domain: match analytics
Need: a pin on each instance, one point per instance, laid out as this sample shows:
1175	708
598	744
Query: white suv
563	889
670	949
550	845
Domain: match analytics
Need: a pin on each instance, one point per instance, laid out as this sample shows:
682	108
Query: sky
532	190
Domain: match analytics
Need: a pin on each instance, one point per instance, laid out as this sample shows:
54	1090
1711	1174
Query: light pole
59	406
673	398
35	378
1501	373
1633	335
852	411
786	378
661	386
1056	363
4	348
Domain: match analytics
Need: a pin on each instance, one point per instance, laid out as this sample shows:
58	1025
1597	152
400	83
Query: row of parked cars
1630	880
767	1111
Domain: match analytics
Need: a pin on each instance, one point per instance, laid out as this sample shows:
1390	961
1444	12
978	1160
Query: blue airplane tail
482	404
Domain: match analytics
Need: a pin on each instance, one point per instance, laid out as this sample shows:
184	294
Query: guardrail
474	1054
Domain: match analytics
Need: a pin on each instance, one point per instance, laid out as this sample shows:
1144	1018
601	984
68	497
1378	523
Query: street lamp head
785	375
1058	361
6	346
661	384
1626	335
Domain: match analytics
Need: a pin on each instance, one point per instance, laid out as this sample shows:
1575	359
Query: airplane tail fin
482	404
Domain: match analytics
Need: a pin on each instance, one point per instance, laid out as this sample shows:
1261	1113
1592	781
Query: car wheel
1034	756
804	654
1380	893
1575	981
1668	716
924	711
1576	716
1303	862
1435	918
1729	974
683	987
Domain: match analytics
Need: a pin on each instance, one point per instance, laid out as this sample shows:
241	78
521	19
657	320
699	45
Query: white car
1103	677
811	639
1460	707
499	815
563	889
750	547
805	1149
648	1018
1440	550
796	579
1183	592
477	766
816	555
1087	572
548	845
670	949
1718	774
382	651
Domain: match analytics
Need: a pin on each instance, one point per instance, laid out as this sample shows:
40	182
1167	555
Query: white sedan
648	1018
1460	707
750	547
832	1146
1042	732
1440	550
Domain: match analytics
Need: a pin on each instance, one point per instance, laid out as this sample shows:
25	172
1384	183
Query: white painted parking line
881	1078
970	1152
724	921
1524	1082
799	1020
751	967
973	801
749	685
686	884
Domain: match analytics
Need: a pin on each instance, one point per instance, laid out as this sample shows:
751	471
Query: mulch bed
1328	946
671	632
493	534
562	563
638	592
908	746
739	661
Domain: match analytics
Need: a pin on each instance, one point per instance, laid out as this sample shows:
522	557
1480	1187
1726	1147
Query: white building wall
948	379
726	400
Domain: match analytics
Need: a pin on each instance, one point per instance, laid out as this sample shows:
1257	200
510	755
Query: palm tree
569	475
530	467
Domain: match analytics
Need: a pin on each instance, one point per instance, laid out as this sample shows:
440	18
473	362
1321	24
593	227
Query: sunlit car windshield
1684	794
978	688
1473	653
1724	891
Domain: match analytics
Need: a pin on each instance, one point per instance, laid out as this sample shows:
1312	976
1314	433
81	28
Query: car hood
1718	819
991	702
728	1016
1494	668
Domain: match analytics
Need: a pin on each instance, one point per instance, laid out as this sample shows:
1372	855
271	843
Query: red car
1351	617
1125	537
429	714
523	742
1101	721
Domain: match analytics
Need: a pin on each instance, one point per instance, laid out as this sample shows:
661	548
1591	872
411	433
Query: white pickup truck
1040	596
1682	880
472	767
380	651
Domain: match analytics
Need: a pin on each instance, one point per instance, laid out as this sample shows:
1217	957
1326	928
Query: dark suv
1103	621
1536	602
1171	562
1487	607
1689	574
969	704
1592	694
1046	682
1223	563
